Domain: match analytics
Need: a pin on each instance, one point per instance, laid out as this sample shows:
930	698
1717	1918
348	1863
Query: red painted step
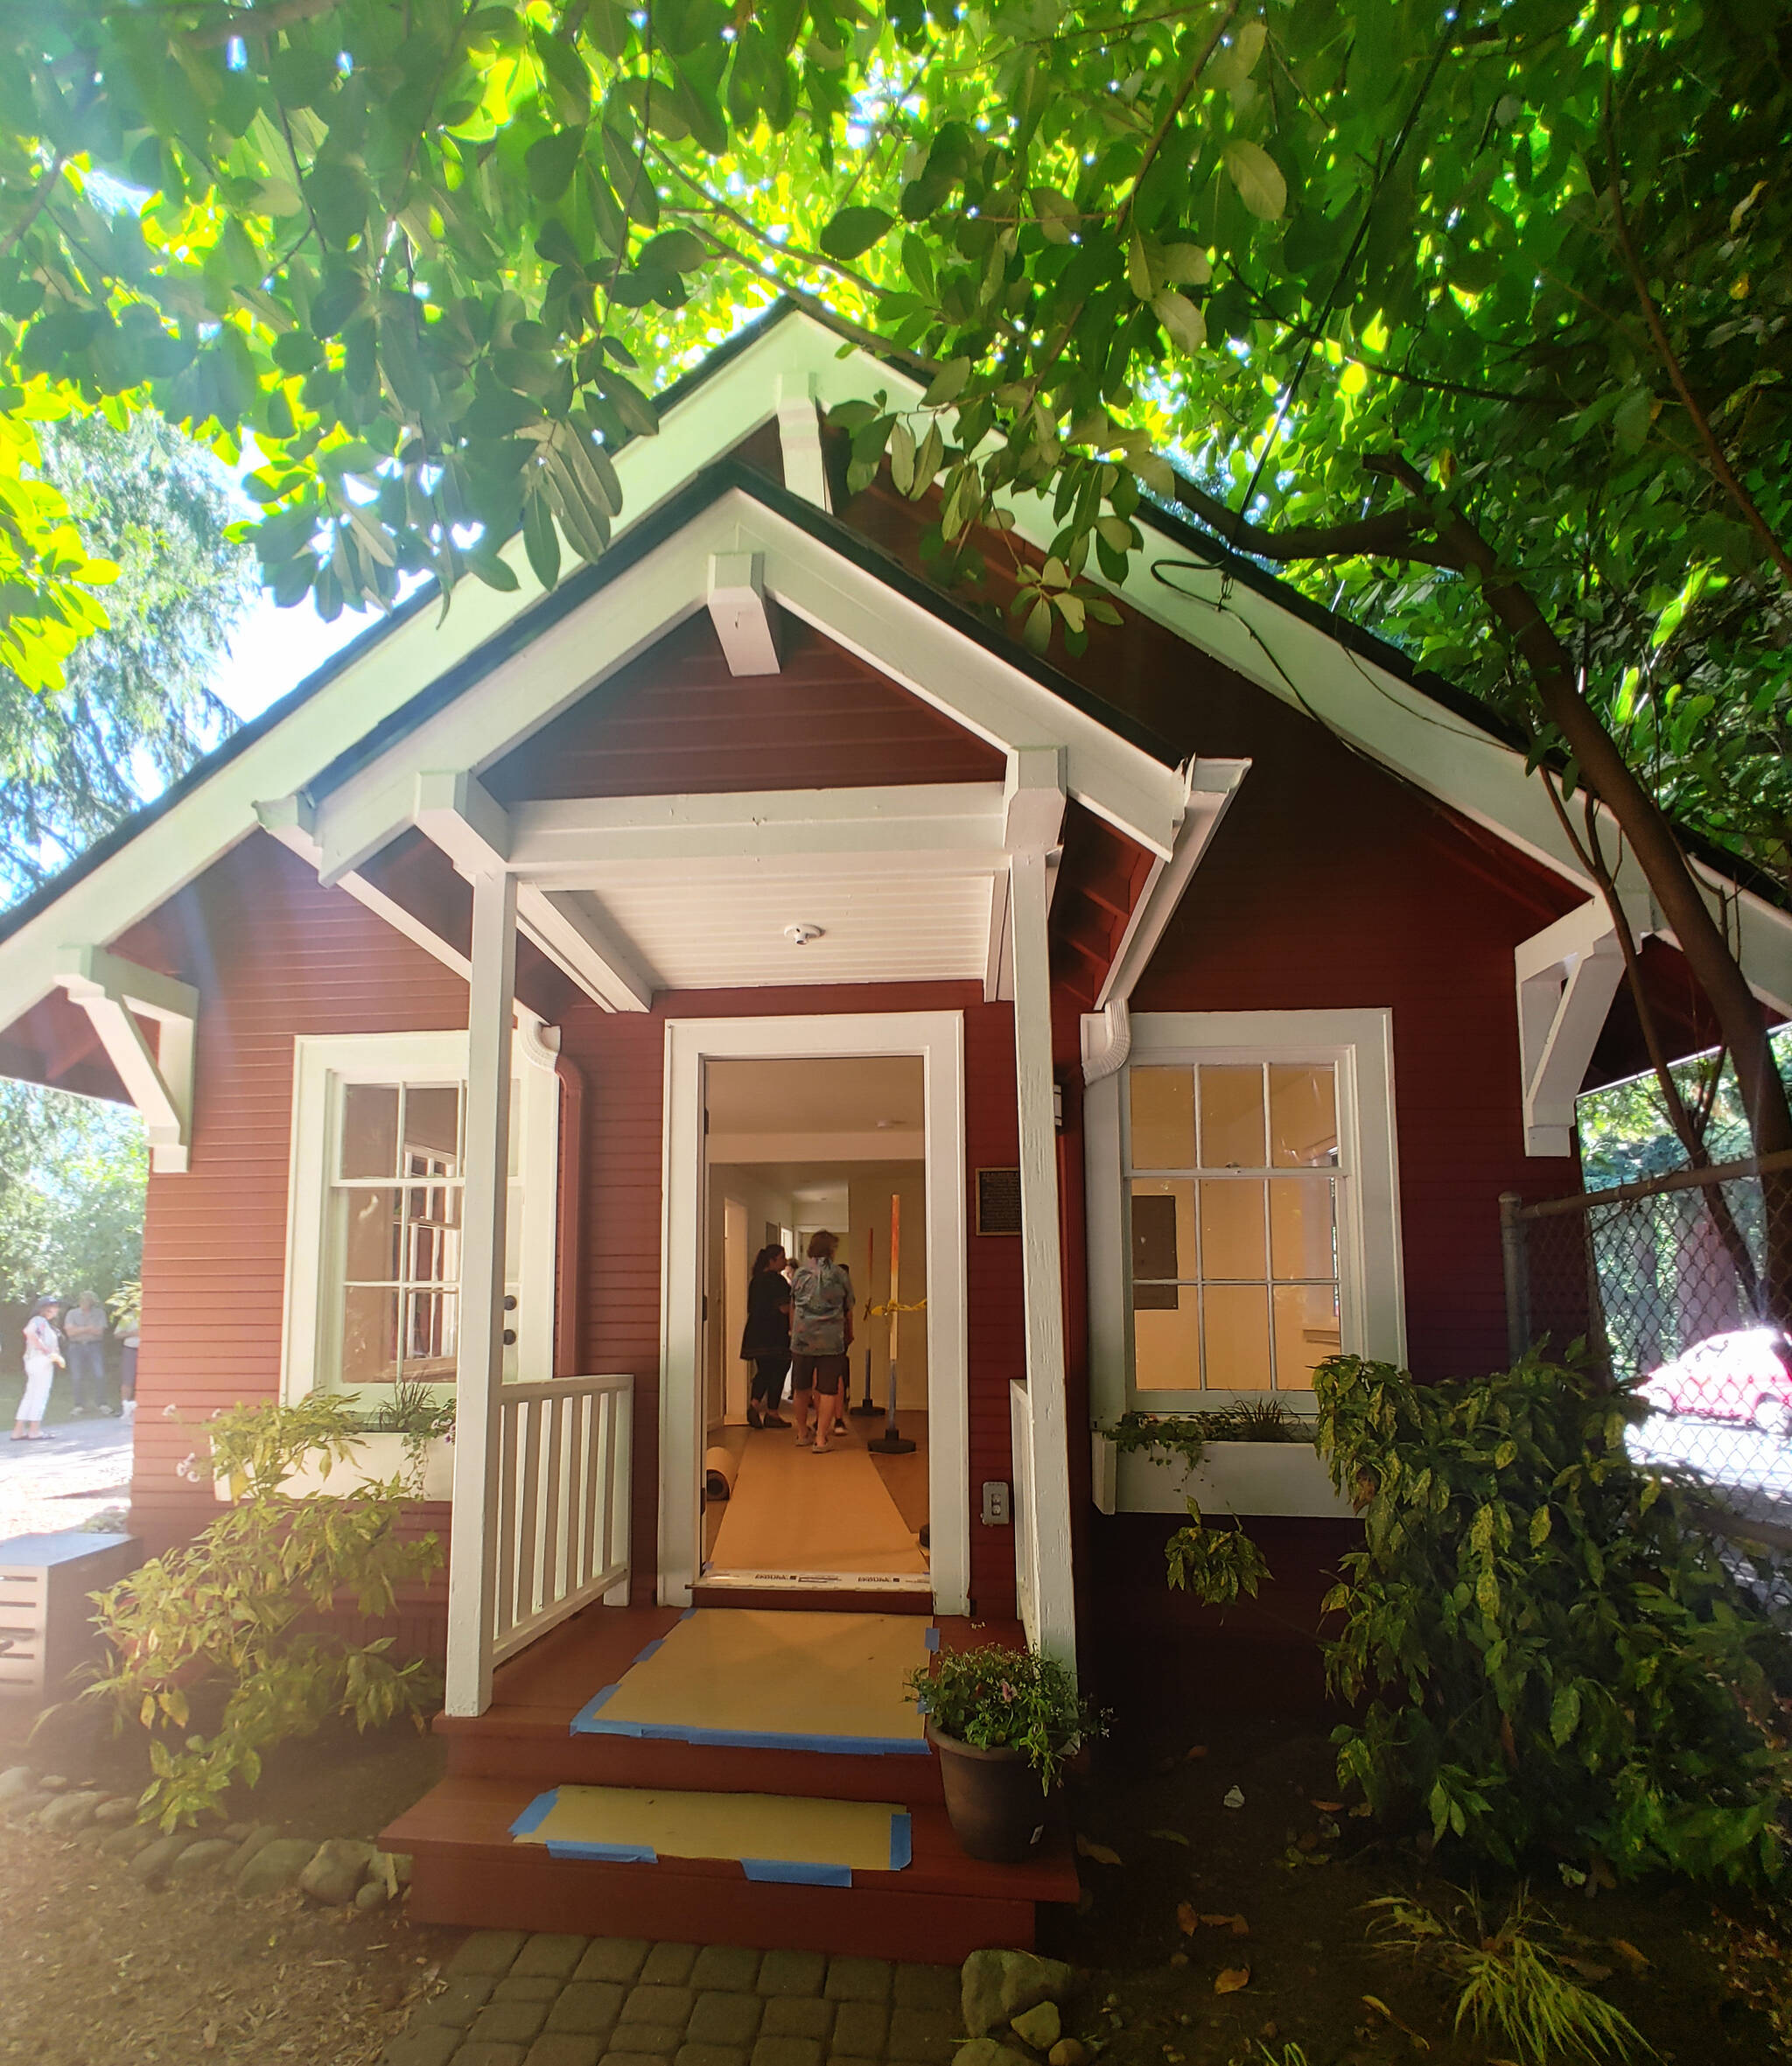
468	1871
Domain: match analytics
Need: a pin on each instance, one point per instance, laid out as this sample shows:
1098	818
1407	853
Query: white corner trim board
938	1038
1372	1298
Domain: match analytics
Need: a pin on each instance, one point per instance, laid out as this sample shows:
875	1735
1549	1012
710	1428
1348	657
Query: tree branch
1653	839
1658	332
1393	533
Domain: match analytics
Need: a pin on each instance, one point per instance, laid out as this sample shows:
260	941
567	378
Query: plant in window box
405	1438
1004	1723
1254	1457
216	1647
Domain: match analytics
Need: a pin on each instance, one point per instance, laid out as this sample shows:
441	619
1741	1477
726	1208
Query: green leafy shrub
997	1698
1216	1564
1544	1655
219	1625
1512	1981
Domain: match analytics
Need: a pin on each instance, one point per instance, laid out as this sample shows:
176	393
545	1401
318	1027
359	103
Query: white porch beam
951	822
460	816
745	623
598	960
472	1550
1567	976
116	995
1042	1283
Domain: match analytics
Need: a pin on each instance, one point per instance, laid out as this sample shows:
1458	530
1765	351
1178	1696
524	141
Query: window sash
1266	1174
416	1261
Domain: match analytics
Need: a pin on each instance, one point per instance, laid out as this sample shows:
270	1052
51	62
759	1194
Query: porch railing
563	1503
1026	1527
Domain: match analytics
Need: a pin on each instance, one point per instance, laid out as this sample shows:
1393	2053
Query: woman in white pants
43	1357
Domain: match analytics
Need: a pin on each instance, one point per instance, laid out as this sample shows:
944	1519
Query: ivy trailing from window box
1216	1564
1544	1656
227	1626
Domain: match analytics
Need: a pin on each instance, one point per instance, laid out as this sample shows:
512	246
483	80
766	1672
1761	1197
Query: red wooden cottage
492	997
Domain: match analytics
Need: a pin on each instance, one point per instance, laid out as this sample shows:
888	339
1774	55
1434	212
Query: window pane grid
401	1322
1230	1227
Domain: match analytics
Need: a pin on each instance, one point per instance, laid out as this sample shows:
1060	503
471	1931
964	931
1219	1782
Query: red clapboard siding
675	722
273	954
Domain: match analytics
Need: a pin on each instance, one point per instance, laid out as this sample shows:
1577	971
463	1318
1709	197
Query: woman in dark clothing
765	1342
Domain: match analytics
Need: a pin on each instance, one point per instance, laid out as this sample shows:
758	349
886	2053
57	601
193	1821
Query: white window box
377	1458
1283	1479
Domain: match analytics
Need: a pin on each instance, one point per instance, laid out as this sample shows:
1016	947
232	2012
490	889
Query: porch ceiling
725	925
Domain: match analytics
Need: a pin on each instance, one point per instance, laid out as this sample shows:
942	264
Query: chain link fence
1666	1280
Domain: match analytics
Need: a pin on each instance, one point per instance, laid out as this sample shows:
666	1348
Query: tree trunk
1677	892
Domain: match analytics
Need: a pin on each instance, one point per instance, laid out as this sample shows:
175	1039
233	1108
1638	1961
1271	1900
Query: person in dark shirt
765	1342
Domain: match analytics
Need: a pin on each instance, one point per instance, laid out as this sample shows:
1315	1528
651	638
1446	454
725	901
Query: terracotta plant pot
993	1799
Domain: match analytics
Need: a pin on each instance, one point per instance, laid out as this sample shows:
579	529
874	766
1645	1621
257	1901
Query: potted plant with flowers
1004	1723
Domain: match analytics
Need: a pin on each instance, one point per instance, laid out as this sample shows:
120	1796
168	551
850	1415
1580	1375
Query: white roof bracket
116	995
1567	976
800	440
745	622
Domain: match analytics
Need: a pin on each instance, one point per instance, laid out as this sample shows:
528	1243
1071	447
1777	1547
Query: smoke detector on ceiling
800	935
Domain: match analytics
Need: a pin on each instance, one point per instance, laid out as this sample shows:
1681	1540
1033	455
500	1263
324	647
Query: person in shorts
821	1334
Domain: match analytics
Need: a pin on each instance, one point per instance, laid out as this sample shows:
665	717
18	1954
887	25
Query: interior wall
868	1253
725	1385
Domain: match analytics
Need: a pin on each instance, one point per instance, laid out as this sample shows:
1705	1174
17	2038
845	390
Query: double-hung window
1233	1187
378	1178
1243	1216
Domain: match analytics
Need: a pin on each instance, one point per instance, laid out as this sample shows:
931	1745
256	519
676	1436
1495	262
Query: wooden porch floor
468	1871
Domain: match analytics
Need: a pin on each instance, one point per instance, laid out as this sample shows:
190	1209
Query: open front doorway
777	1129
798	1148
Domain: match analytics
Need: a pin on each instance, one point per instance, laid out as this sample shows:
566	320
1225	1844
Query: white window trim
385	1058
1372	1298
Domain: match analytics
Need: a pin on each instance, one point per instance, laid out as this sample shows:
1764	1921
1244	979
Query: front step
467	1870
545	1754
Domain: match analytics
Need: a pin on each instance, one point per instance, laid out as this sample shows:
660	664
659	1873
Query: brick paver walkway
511	2000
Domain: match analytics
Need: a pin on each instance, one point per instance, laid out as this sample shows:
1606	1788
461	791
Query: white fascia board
901	639
1213	785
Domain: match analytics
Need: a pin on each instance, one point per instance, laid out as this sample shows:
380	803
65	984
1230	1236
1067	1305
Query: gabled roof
399	677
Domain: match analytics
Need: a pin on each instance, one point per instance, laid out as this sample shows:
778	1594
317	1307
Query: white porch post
1035	816
472	1545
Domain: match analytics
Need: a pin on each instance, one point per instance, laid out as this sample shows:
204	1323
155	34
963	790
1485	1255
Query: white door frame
938	1039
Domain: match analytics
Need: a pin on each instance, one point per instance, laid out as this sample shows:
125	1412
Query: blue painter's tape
536	1813
901	1842
933	1637
585	1722
641	1656
687	1614
609	1853
795	1874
